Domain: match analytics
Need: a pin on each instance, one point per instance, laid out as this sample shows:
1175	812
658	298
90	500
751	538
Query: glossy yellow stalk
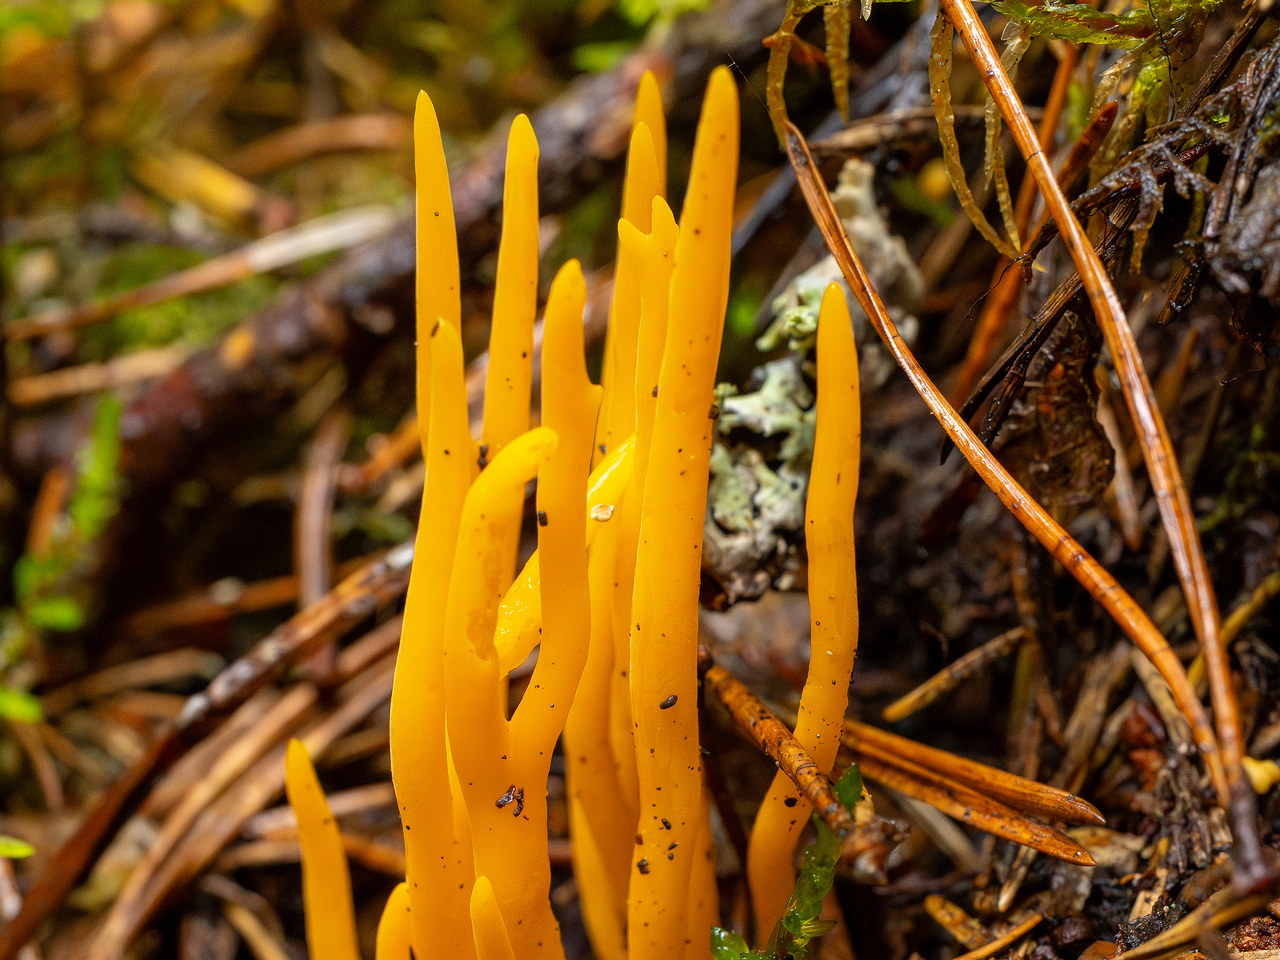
649	111
520	613
437	853
503	765
833	609
704	893
602	835
664	684
654	254
394	929
570	403
492	942
438	288
507	843
645	179
618	416
508	381
326	882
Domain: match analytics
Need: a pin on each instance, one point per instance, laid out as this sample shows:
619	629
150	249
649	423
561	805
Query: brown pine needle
948	678
1252	870
972	808
1242	614
999	943
1077	561
1018	792
967	931
864	844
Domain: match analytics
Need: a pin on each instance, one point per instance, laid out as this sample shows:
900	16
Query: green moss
799	925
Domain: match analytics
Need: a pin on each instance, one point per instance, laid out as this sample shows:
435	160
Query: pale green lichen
893	273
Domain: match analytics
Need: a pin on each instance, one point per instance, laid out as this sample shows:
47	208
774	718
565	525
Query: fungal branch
664	634
833	607
326	882
503	764
438	852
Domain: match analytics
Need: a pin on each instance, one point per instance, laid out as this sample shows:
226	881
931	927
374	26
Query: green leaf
15	849
56	613
727	945
20	705
849	787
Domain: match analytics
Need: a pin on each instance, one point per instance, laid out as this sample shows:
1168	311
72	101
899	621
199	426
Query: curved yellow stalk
664	684
570	403
520	613
326	883
833	608
509	847
394	929
438	858
492	942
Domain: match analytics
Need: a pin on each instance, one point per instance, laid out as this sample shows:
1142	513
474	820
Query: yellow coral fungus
326	883
833	607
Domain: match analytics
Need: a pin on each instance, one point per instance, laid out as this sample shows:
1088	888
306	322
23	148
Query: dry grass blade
1018	792
1091	575
1252	871
973	808
950	676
